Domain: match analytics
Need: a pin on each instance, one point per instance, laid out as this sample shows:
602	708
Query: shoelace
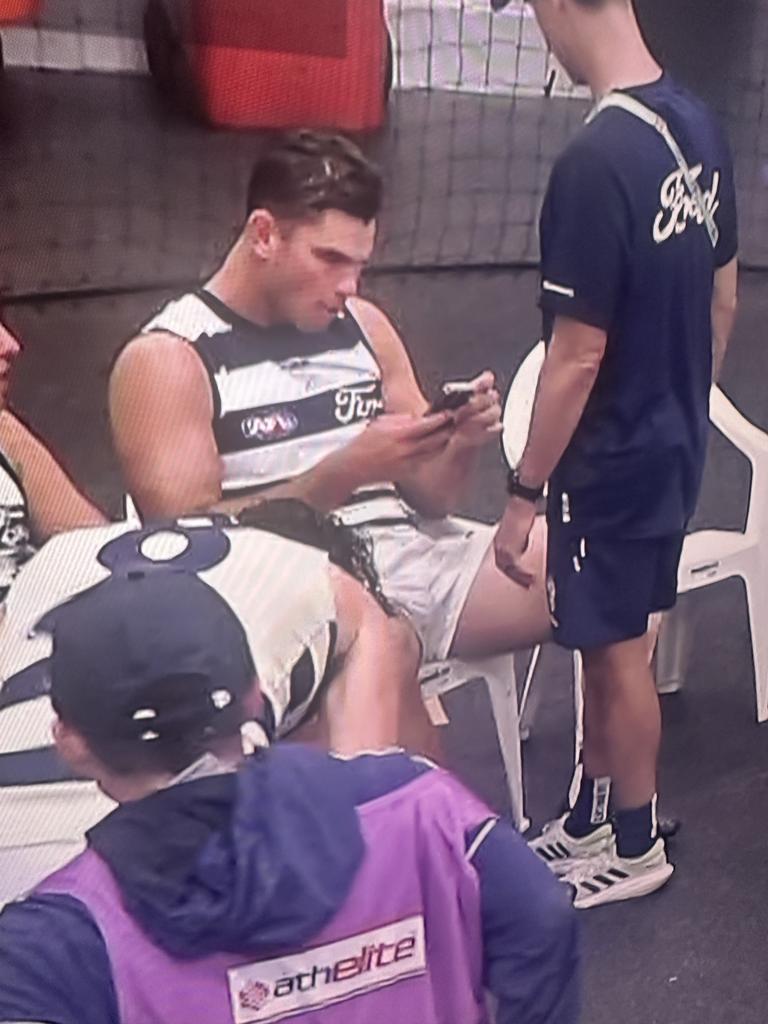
592	866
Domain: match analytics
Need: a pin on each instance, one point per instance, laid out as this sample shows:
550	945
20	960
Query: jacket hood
242	862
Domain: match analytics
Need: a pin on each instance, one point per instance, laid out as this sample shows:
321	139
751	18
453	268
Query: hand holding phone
452	395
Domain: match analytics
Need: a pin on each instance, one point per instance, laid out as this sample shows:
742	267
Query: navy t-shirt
623	250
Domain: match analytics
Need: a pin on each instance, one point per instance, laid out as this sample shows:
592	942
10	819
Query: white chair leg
757	608
531	696
673	647
499	674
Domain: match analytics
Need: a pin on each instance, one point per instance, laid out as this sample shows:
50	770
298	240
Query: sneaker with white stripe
610	878
562	852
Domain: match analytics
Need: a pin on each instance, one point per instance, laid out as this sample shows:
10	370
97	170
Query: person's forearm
723	317
564	387
436	488
325	487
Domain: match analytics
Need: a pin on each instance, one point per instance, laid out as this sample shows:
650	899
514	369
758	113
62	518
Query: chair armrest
733	425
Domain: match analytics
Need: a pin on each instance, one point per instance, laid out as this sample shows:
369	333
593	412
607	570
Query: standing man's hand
511	541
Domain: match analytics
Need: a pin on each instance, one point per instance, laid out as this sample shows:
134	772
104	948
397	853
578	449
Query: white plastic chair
710	556
440	677
518	405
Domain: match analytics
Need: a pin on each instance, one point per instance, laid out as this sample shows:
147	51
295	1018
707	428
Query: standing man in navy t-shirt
638	291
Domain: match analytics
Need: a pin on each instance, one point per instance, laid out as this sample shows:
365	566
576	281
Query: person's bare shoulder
157	355
157	372
401	388
374	321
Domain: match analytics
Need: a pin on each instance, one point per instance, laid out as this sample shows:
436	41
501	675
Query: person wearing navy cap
638	293
291	884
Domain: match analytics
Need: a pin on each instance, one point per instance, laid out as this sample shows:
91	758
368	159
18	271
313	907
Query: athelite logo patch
280	988
679	207
253	995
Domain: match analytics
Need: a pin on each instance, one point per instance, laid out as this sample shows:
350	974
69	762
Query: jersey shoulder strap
189	318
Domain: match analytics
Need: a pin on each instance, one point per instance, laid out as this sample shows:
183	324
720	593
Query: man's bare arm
55	503
724	304
161	411
566	381
374	701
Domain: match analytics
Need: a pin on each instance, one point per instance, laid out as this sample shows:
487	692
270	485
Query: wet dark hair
304	173
347	548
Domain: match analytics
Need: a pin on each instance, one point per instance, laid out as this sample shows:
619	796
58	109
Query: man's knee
617	663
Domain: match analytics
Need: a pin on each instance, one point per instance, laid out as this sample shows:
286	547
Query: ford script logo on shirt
299	984
271	426
358	403
679	207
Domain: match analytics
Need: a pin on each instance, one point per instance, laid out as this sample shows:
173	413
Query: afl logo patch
273	426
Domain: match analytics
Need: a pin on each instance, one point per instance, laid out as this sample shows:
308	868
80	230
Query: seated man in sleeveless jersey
44	812
276	379
37	498
288	885
313	622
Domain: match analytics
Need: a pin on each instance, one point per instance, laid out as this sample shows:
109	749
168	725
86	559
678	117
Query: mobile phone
452	395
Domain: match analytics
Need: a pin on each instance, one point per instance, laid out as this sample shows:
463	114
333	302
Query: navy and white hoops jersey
15	544
280	590
283	399
627	249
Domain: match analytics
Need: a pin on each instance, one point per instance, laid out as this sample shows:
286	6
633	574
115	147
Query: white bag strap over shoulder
650	117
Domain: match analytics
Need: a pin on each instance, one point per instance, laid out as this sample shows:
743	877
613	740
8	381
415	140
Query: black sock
591	808
636	830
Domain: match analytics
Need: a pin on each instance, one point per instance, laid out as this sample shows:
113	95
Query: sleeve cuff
573	307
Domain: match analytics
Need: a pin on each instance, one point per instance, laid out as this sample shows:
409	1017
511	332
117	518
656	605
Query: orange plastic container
19	10
289	63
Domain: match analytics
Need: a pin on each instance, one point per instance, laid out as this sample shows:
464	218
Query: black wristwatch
518	490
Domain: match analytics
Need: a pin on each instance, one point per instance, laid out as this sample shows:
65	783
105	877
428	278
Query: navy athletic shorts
602	590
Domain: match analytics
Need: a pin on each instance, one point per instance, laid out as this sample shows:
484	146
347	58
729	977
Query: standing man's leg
622	733
601	592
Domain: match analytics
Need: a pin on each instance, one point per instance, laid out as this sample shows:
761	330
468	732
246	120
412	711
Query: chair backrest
752	442
518	405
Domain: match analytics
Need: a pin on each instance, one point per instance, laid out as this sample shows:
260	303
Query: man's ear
262	234
74	750
253	702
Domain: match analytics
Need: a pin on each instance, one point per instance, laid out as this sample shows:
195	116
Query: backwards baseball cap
149	658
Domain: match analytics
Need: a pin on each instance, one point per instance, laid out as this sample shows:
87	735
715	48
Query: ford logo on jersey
358	403
272	426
